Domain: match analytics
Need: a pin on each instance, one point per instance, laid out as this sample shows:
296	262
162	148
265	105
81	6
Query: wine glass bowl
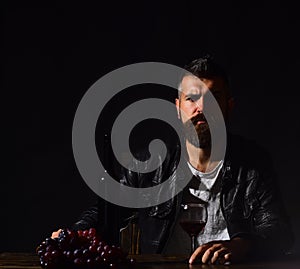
192	220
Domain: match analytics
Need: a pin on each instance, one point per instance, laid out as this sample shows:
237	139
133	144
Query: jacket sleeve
107	218
91	217
272	231
270	220
259	212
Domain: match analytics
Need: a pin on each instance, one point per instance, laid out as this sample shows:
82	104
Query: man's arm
271	222
107	218
88	218
221	252
271	234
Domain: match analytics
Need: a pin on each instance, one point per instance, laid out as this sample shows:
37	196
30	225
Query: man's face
192	101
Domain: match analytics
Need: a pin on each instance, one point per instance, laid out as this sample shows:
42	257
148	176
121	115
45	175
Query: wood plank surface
10	260
19	260
31	260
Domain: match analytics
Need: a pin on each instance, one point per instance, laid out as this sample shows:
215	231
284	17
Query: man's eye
189	99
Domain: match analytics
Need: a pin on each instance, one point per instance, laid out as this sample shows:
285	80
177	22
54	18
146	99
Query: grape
78	261
69	254
92	232
81	249
40	252
86	253
93	248
85	233
47	256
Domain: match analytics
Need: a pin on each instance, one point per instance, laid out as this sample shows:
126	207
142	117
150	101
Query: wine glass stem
193	242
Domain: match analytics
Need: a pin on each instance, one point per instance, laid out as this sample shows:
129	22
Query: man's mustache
198	117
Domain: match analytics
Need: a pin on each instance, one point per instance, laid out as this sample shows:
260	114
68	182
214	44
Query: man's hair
207	67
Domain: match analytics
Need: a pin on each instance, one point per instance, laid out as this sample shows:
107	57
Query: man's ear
177	107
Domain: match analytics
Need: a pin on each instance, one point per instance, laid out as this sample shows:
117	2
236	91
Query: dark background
51	56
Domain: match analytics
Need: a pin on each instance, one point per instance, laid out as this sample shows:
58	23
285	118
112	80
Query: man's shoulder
155	156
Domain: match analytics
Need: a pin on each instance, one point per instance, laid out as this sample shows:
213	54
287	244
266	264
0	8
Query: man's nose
200	104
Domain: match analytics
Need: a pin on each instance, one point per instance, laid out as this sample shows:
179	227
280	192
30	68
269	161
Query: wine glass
192	220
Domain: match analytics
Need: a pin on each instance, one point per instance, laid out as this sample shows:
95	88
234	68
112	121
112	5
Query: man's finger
55	234
208	254
227	258
219	256
198	252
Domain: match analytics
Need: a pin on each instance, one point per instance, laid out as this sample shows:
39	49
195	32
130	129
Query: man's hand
55	234
220	252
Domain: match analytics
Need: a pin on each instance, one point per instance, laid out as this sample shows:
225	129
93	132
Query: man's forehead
192	85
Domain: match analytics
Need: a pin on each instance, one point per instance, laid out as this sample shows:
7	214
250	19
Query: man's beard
197	134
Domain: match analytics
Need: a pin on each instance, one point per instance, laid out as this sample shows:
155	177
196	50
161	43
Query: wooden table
30	261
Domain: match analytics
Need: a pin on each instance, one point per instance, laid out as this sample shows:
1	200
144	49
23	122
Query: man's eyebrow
193	95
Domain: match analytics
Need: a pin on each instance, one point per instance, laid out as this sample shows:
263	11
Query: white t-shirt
215	229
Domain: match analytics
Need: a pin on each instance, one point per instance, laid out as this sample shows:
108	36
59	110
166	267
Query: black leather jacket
250	201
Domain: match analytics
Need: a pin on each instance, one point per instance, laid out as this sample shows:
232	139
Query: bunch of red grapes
81	249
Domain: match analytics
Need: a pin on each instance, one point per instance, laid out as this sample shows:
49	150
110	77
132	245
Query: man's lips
198	120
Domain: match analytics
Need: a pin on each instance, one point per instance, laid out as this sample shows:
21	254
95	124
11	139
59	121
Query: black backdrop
51	56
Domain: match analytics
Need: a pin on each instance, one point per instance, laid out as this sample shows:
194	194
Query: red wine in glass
192	227
193	218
